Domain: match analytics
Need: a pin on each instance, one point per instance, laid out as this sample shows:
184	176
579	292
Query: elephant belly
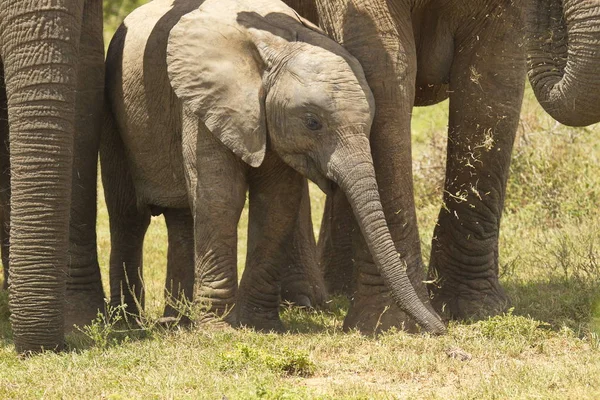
434	41
157	166
145	108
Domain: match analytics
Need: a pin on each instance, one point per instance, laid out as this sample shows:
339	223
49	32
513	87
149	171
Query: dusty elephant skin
419	53
48	112
209	98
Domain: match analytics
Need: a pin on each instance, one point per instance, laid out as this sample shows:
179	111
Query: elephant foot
82	307
210	321
371	315
178	310
171	317
469	301
373	310
303	293
262	320
263	324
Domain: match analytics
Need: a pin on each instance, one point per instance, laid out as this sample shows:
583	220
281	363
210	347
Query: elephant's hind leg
128	222
179	285
487	83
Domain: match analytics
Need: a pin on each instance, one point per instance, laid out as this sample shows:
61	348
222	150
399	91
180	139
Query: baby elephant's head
272	80
319	109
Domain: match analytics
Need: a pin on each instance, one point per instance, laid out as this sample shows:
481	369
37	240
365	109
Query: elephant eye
312	123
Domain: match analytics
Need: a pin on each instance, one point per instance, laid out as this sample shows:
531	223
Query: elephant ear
217	73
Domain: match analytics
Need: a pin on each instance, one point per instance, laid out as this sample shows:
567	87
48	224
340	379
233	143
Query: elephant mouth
309	168
325	184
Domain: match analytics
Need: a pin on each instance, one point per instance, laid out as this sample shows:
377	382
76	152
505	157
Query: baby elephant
210	98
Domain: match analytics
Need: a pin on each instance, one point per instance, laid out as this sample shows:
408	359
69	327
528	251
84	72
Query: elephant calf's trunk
359	184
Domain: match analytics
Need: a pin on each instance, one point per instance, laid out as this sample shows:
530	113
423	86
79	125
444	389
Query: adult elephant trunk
563	46
352	169
39	50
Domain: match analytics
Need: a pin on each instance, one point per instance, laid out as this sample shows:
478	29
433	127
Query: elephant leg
128	226
180	260
128	222
221	184
335	245
40	78
275	197
302	280
84	295
382	39
4	181
486	91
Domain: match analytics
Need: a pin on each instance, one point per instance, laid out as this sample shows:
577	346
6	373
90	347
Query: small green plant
509	327
102	330
286	361
193	311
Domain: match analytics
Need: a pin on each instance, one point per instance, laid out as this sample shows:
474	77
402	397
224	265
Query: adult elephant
50	114
419	52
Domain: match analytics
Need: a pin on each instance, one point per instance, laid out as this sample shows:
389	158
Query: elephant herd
201	101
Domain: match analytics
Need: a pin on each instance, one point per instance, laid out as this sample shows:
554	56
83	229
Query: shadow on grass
571	302
100	333
560	302
300	320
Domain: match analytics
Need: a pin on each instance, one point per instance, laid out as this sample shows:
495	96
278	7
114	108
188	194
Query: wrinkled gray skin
418	53
259	98
564	58
53	132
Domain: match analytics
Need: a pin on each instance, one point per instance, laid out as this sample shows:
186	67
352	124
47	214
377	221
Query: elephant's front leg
84	295
220	187
302	281
486	90
275	197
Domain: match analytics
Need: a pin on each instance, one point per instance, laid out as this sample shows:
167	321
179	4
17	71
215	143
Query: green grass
548	346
